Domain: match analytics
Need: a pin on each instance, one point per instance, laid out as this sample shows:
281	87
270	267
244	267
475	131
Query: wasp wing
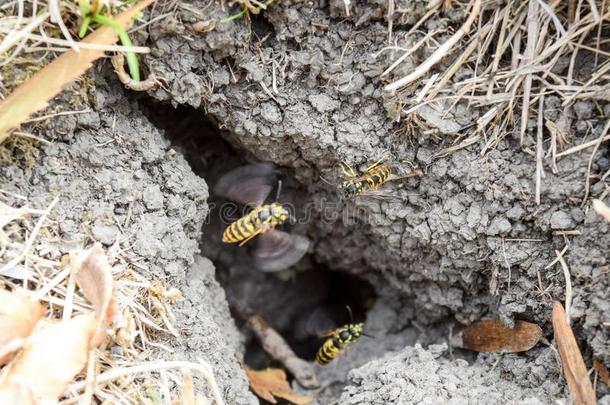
249	184
382	195
318	323
276	250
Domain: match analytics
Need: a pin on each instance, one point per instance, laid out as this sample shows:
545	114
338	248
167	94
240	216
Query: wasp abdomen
328	351
257	221
338	341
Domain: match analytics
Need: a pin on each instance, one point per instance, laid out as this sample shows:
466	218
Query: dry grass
127	366
510	55
35	32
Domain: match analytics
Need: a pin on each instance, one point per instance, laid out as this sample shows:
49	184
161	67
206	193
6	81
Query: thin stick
441	52
566	274
457	64
56	18
556	260
539	151
202	367
10	40
528	55
30	241
583	146
587	178
276	346
408	53
84	45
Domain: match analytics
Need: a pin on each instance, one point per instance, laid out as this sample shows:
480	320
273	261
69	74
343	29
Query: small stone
583	109
561	220
104	233
152	197
322	103
499	225
515	213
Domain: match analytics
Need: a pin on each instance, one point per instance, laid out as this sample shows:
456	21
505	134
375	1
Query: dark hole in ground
300	303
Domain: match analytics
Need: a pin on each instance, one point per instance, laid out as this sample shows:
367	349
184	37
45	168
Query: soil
464	241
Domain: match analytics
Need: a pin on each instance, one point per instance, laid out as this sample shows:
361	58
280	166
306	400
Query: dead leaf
602	209
494	336
94	277
35	93
55	353
18	316
602	372
271	383
574	368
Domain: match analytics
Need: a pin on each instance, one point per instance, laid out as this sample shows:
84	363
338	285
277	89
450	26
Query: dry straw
121	369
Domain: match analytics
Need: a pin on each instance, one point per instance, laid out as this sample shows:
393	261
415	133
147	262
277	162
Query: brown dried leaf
494	336
574	368
602	209
602	372
94	277
55	353
18	316
34	94
271	383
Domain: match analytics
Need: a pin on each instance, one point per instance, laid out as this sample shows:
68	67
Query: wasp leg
347	170
376	164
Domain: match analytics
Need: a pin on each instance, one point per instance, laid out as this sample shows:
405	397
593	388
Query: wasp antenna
351	316
367	335
279	190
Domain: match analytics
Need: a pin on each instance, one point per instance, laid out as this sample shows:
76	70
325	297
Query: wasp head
279	213
349	189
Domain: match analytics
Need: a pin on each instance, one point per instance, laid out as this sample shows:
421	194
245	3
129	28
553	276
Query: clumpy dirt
117	179
427	376
299	86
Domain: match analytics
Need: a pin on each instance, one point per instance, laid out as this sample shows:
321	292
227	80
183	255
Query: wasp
275	250
338	340
256	222
373	177
366	183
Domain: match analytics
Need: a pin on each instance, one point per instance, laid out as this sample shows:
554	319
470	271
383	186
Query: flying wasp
338	340
275	250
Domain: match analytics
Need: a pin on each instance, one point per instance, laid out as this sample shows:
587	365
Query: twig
442	51
277	347
539	151
597	143
583	146
556	259
532	38
566	274
574	368
56	18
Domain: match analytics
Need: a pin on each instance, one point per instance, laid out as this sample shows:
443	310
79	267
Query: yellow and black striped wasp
337	341
370	180
275	250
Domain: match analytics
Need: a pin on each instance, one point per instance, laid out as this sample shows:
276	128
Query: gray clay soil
466	242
